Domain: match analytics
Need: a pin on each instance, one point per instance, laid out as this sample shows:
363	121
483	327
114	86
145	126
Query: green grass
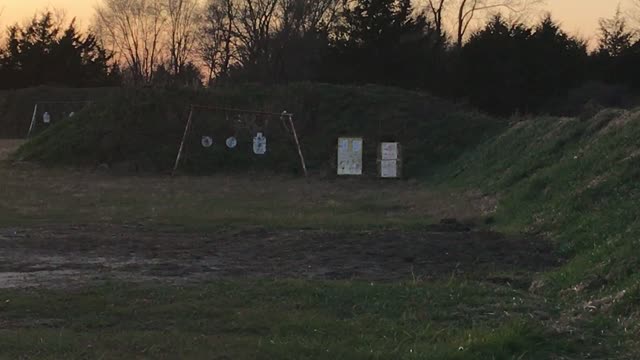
260	319
144	127
572	179
33	195
16	106
283	320
575	181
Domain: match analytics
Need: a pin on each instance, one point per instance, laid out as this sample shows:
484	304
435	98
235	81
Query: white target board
389	169
350	156
389	151
389	160
260	144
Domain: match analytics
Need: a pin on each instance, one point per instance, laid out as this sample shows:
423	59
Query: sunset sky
577	16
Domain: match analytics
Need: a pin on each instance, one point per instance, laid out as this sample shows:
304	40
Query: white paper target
72	114
46	118
389	151
350	156
232	142
389	169
260	144
206	141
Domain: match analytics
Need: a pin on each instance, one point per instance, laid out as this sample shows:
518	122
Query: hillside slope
16	106
575	181
145	126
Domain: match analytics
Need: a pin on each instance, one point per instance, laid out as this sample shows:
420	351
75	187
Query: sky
17	10
577	16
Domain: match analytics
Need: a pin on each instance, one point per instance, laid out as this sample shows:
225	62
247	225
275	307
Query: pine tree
44	53
615	37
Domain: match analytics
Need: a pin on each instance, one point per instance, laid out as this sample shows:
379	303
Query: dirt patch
62	256
8	146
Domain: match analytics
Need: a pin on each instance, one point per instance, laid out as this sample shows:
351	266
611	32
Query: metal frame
282	116
35	111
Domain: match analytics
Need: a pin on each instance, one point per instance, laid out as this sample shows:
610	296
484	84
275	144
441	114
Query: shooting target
232	142
46	118
259	144
206	141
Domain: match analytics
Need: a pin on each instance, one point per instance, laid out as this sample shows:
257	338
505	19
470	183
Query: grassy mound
576	181
16	106
145	126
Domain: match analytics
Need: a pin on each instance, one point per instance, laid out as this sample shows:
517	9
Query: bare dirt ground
7	146
64	254
68	255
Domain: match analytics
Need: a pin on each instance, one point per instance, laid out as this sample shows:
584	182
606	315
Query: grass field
514	239
67	196
361	306
229	267
280	320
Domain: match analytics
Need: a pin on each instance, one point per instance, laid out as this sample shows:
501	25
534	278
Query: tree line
485	52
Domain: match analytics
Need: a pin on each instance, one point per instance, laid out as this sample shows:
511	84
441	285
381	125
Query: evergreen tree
494	69
615	60
615	37
513	68
43	53
381	42
556	63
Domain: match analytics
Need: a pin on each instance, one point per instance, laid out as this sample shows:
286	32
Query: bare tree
244	28
468	10
133	30
464	13
253	27
305	16
249	32
303	28
184	21
217	43
436	8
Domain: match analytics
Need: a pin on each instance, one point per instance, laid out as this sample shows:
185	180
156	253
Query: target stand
242	122
46	113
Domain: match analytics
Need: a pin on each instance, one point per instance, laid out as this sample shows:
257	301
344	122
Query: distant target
206	141
260	144
46	118
232	142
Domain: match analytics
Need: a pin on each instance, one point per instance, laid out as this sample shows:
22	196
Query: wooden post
182	144
295	137
33	120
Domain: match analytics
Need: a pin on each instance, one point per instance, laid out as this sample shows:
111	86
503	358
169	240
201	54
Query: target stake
295	137
184	138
